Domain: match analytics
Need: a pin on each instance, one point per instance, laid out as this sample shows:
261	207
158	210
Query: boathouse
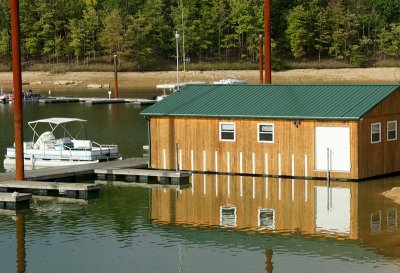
278	130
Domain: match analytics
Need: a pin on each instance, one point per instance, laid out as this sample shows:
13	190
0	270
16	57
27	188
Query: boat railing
105	148
62	150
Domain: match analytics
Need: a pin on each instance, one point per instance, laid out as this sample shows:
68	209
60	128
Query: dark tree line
83	31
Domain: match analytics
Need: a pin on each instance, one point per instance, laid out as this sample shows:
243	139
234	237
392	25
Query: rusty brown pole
115	76
261	60
21	253
17	84
267	41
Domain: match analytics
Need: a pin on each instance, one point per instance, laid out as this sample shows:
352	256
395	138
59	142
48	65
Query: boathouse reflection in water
347	210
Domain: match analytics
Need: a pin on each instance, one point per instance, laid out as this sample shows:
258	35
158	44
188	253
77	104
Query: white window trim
380	132
258	133
259	219
395	129
392	221
220	216
234	131
376	226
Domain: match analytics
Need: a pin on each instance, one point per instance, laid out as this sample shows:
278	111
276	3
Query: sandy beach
148	80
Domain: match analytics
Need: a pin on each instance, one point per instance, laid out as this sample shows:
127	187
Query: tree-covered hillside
85	31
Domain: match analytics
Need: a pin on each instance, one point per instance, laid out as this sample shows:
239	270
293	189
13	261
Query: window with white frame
227	131
392	219
228	216
392	130
266	133
266	218
376	221
375	132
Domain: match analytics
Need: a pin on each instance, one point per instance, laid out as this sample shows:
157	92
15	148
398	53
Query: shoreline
148	80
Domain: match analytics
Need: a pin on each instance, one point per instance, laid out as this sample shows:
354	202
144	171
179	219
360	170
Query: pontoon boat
45	150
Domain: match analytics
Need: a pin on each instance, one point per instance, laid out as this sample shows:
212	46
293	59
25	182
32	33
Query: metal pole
177	60
115	76
183	40
17	84
261	60
267	41
328	176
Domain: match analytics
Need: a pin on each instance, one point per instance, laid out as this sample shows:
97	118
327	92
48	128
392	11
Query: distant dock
137	101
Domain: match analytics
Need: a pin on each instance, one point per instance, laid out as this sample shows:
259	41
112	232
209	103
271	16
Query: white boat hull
34	164
39	158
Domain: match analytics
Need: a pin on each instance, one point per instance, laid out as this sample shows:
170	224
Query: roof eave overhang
254	117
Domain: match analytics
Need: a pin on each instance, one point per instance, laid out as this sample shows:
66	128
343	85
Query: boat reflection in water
358	213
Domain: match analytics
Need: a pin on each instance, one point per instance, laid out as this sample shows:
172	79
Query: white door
337	139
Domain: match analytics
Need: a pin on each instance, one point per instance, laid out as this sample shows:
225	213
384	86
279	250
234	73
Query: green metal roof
329	102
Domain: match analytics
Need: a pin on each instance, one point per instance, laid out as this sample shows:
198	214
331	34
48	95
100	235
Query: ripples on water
121	232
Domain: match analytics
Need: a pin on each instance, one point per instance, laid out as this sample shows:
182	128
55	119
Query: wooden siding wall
200	149
384	157
292	200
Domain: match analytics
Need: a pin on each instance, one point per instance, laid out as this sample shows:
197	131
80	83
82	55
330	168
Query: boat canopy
57	121
54	123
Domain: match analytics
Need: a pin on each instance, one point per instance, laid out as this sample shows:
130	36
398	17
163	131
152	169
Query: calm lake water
218	224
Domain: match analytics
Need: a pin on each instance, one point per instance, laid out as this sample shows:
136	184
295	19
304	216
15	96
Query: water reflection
353	211
221	224
20	234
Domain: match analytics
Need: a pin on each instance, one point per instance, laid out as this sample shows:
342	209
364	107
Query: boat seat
66	143
46	137
82	144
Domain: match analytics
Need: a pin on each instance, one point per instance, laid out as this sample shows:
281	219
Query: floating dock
101	101
137	101
72	190
80	172
59	100
144	176
53	181
15	201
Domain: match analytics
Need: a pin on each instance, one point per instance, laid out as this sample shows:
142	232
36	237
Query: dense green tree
91	25
389	40
322	32
356	31
112	35
299	35
76	39
137	39
4	44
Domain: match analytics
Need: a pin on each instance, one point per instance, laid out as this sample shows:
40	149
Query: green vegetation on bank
77	35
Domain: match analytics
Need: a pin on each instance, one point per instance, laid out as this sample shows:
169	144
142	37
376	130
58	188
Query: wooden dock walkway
61	173
36	179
